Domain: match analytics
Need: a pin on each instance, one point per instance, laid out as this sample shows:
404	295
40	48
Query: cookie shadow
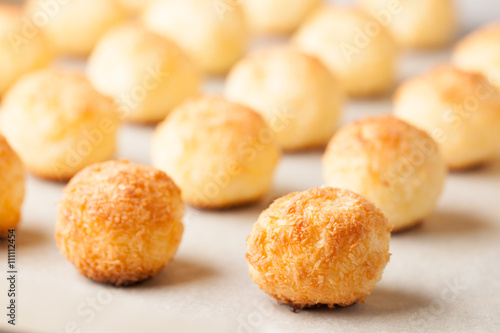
384	301
485	170
27	238
180	272
278	191
391	301
250	210
449	224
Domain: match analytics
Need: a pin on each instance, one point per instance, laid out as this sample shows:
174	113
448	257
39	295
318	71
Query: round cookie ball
58	123
354	46
75	26
20	52
395	165
119	222
480	52
294	92
215	37
11	187
221	154
421	24
460	110
324	246
277	17
146	74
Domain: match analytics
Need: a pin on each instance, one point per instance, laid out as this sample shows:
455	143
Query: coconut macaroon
220	153
215	37
421	24
19	53
324	246
294	92
119	222
58	123
354	46
75	26
277	17
460	110
395	165
11	187
146	74
479	52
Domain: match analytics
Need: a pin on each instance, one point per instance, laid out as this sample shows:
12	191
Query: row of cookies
62	115
214	34
194	154
100	200
321	246
95	233
148	76
353	42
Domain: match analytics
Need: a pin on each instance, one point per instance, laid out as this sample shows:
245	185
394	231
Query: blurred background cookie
58	123
146	74
297	95
354	46
75	26
20	52
421	24
134	6
277	17
391	163
460	110
480	52
215	37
